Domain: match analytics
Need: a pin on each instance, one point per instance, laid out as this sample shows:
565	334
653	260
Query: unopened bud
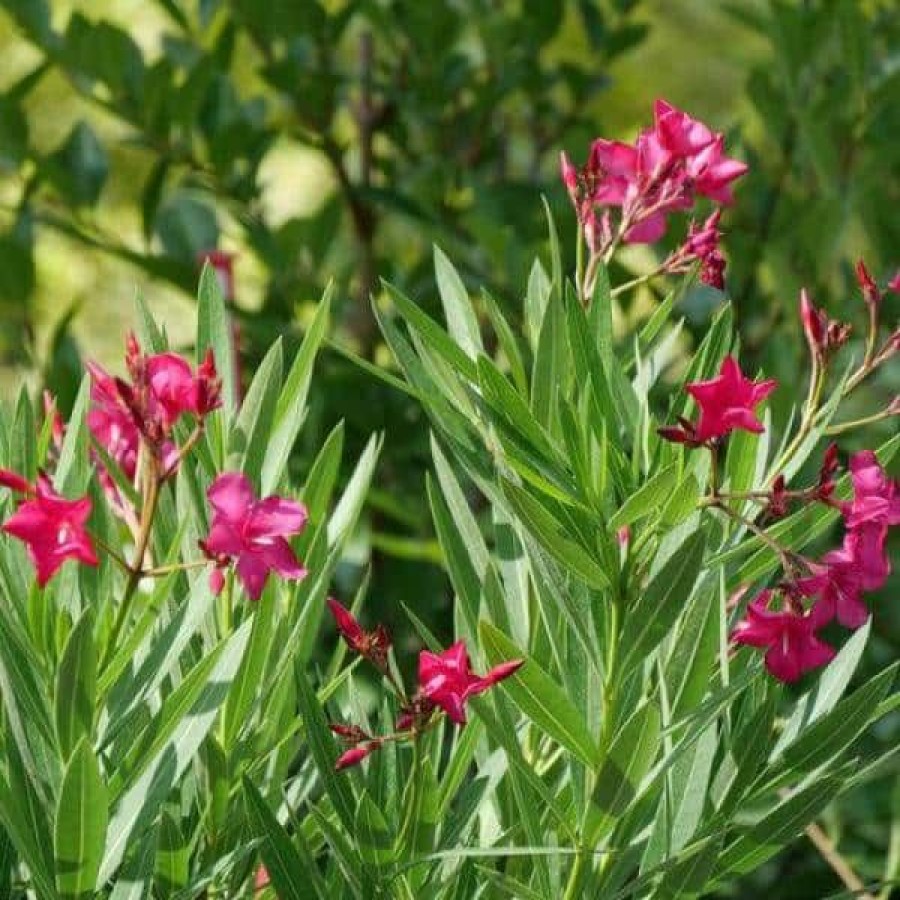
354	756
870	291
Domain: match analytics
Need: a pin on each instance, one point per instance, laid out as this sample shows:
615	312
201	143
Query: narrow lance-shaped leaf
81	817
540	697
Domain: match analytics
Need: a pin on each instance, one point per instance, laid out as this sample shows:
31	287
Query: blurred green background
337	140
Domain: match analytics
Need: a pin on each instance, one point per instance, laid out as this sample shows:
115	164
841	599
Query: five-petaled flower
53	528
446	679
727	402
252	532
788	636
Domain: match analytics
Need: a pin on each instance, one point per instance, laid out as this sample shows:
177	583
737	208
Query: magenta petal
278	556
231	494
648	231
252	572
815	653
277	516
224	539
743	419
783	663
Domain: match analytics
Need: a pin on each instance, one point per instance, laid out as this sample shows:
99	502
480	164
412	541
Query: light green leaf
539	697
553	537
461	319
76	685
248	440
290	411
649	498
214	332
142	801
294	876
662	601
81	817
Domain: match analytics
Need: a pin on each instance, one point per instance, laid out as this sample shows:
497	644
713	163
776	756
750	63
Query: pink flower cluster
445	682
835	584
133	422
663	172
125	415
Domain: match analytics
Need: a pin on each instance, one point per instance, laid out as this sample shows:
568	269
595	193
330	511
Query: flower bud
870	291
354	756
894	284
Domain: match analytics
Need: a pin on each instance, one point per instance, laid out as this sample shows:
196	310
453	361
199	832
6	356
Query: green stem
148	513
811	407
859	423
573	885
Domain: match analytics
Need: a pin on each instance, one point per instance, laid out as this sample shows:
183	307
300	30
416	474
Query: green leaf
373	836
290	411
556	276
24	821
539	697
461	319
80	166
775	830
433	335
508	343
323	750
214	332
649	498
248	682
76	685
829	688
249	437
142	801
323	474
553	537
350	505
294	876
81	817
623	769
550	361
662	601
835	731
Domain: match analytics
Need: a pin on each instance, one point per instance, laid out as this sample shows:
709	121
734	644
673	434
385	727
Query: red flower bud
353	734
354	756
894	284
870	291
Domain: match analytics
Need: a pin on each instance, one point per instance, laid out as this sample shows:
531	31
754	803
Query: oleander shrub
661	597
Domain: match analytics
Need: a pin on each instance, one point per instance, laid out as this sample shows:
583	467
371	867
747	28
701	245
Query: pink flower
253	532
838	582
678	132
710	172
789	638
53	528
111	423
728	401
707	169
662	172
447	680
176	390
876	498
703	244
